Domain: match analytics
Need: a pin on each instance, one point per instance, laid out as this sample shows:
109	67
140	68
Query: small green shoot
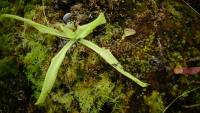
184	94
77	36
128	32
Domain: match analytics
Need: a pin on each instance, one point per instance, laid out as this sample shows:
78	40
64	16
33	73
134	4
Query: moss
91	95
112	32
167	35
155	102
142	55
141	65
64	99
148	43
173	11
108	35
6	43
175	58
73	68
85	98
141	6
34	64
8	67
174	90
13	85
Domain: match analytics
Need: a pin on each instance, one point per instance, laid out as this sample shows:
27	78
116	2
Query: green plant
184	94
154	102
73	36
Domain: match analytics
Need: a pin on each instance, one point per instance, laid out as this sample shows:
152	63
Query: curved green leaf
41	28
108	57
52	72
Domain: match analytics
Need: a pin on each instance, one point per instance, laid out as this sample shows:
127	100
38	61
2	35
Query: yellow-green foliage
80	33
90	96
34	63
34	59
84	97
171	9
175	58
93	96
141	6
64	99
155	102
6	43
112	31
148	43
142	55
108	34
7	34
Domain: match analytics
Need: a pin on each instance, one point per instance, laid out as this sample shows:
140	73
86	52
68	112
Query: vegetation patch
162	35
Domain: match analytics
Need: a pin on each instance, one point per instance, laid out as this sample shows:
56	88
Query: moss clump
155	102
91	96
171	8
167	36
34	64
8	67
112	32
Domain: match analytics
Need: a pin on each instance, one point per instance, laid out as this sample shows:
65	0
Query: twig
191	7
45	17
192	106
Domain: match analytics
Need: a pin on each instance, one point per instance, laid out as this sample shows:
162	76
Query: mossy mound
167	35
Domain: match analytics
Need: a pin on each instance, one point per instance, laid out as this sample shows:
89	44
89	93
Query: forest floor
167	38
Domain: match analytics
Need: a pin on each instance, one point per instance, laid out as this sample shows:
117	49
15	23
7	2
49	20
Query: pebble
66	17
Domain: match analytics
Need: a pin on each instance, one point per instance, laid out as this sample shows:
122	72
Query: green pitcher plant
73	36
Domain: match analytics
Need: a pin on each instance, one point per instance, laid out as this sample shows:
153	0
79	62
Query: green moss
141	65
112	32
92	59
8	67
73	68
141	6
89	96
175	58
173	11
85	98
148	44
34	64
155	102
64	99
142	55
174	90
79	87
99	94
108	35
6	43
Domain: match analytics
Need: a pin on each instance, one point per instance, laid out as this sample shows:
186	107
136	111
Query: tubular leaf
84	30
108	57
52	72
